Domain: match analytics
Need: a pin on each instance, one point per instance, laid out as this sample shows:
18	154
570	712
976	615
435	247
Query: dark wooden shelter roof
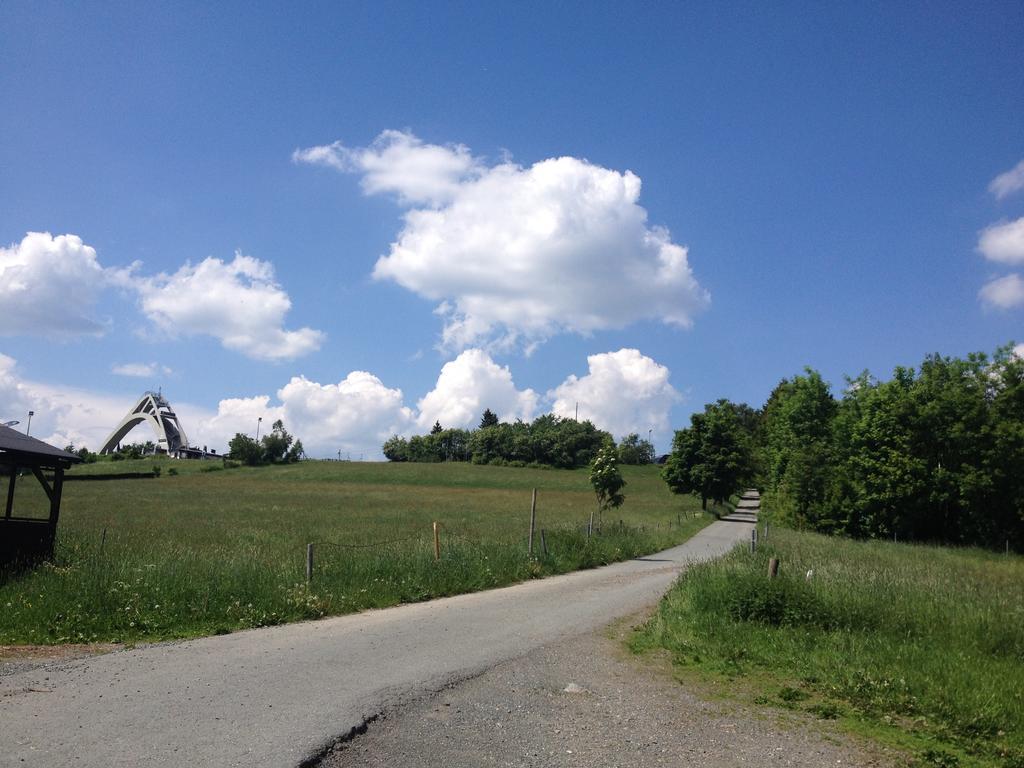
19	449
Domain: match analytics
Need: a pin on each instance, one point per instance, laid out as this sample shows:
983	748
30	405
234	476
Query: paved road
273	697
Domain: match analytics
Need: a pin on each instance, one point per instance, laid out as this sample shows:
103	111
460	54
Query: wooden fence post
753	540
773	568
543	543
533	518
437	541
309	563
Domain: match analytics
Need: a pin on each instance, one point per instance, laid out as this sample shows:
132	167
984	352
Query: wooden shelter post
58	487
10	492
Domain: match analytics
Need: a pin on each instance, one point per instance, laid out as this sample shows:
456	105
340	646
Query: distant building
153	408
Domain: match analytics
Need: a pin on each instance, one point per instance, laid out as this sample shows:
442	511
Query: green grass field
212	550
920	647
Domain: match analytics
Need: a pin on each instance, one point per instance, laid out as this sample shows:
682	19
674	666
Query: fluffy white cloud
1006	184
1003	292
623	392
49	286
62	415
467	386
1003	242
140	370
401	164
234	414
514	255
355	415
237	302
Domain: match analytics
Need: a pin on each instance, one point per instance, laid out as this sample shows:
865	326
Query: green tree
711	459
796	448
606	480
276	444
295	453
246	450
489	419
437	428
633	450
396	449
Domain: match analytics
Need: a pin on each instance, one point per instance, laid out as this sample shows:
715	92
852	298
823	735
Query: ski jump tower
153	408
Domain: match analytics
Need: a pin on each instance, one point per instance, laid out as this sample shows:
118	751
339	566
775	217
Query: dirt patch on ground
21	658
586	702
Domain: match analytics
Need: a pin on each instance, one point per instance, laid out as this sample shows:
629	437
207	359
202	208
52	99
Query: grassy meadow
210	550
920	647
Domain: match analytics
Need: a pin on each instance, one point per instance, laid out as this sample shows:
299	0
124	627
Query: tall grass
924	645
205	551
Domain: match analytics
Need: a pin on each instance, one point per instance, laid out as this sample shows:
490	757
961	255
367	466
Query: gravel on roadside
585	702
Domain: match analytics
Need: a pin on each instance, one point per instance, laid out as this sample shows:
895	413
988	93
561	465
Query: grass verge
918	647
206	552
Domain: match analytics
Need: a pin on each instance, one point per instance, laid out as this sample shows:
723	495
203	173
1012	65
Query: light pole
11	423
29	425
258	422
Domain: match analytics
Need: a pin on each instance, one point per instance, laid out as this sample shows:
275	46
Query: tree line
548	440
276	447
936	453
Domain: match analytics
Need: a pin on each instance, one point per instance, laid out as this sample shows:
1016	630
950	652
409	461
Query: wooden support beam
10	492
58	487
42	482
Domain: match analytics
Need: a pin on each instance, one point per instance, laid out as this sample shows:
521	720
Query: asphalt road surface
276	697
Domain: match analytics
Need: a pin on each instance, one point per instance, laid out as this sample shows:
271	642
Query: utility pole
28	426
258	422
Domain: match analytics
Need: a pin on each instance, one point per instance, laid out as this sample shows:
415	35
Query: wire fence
441	535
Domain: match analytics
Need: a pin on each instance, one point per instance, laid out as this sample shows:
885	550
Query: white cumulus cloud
237	302
50	286
1003	242
355	415
62	415
1006	184
623	392
399	163
467	386
140	370
517	254
1003	292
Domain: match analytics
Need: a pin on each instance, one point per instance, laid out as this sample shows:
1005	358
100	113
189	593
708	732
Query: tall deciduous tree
711	459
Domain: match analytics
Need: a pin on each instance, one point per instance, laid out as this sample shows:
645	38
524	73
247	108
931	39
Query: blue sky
827	172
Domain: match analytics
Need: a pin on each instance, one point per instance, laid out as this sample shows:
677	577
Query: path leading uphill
275	697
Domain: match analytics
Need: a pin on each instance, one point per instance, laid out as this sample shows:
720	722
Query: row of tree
546	441
276	447
933	454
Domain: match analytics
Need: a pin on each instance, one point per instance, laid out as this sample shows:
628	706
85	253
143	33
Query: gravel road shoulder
587	702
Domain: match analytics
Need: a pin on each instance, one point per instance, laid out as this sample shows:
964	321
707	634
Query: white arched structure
154	409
